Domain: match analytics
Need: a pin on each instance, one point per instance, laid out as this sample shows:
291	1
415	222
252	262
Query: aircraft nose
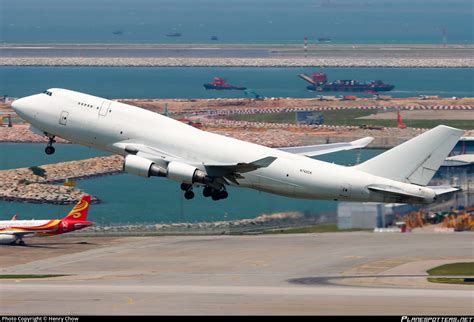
16	104
20	106
26	107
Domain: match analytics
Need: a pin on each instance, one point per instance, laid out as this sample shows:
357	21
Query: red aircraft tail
79	212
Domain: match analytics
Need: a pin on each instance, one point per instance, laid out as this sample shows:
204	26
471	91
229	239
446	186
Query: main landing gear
18	242
50	148
215	194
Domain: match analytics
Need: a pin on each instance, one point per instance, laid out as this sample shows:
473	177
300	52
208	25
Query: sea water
130	199
187	82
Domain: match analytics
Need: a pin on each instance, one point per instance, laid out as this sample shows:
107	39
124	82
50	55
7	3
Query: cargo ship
220	83
319	83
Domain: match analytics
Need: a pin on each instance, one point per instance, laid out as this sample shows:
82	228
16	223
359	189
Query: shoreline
237	62
238	55
242	45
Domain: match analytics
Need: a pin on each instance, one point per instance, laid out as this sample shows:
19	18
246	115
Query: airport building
370	215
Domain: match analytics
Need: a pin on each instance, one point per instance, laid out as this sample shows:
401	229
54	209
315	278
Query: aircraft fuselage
110	126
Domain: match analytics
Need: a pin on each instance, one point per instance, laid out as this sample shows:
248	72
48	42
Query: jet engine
7	239
142	167
186	173
177	171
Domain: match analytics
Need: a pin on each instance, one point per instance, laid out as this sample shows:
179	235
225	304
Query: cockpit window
48	93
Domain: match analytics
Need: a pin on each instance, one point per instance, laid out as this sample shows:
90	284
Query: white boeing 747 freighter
155	145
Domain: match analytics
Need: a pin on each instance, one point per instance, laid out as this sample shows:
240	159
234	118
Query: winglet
362	143
14	217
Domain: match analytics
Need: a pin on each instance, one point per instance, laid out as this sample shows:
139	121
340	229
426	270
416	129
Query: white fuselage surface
113	126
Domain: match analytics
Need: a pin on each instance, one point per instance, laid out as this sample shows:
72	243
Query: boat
324	39
319	83
174	34
220	83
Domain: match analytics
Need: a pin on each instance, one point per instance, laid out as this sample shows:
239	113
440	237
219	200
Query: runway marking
379	265
353	257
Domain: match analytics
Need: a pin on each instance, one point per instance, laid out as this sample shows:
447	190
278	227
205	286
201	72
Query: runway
331	273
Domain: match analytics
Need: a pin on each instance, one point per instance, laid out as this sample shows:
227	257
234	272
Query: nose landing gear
50	148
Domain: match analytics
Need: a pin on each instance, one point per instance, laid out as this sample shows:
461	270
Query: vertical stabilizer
417	160
79	212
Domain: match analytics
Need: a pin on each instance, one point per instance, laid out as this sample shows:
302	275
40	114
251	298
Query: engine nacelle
7	239
182	172
142	167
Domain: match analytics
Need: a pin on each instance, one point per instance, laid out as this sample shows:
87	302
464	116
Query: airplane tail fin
417	160
79	212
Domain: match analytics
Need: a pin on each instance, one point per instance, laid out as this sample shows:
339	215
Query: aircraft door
104	108
63	118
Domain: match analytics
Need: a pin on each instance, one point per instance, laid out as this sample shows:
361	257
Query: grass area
463	269
448	280
349	117
20	276
268	118
459	269
323	228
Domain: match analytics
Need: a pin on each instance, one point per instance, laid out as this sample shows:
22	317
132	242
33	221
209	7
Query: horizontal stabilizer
441	190
313	150
393	191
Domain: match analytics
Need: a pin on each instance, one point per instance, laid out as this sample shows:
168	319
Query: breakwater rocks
254	225
38	184
22	134
239	62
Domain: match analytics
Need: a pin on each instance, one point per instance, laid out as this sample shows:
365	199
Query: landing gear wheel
207	192
189	194
49	150
185	186
21	243
216	195
223	194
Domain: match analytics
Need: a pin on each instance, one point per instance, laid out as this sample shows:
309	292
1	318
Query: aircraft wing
20	233
227	171
146	151
241	167
313	150
232	172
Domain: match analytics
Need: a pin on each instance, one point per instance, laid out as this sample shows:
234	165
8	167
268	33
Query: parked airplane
13	231
155	145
